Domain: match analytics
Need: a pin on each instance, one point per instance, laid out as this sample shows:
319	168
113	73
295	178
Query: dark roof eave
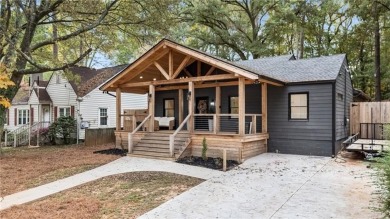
311	82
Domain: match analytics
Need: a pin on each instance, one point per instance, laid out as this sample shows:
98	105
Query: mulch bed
211	163
112	151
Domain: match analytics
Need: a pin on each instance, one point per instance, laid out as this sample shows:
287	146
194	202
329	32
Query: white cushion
164	121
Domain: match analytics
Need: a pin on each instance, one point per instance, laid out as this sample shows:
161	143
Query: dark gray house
325	84
276	104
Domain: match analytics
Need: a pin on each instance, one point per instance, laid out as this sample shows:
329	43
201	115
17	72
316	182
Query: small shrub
62	128
204	149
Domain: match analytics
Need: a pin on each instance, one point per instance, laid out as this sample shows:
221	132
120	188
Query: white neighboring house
98	109
25	105
79	98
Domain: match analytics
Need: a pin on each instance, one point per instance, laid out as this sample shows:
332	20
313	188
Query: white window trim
99	122
27	114
63	107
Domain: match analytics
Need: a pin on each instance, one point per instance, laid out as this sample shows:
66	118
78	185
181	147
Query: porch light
154	79
140	77
149	97
188	95
256	81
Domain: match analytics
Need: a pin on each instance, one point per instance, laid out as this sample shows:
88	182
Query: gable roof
287	69
91	78
23	95
280	70
163	46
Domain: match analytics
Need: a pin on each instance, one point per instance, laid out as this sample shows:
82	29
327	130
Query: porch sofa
166	122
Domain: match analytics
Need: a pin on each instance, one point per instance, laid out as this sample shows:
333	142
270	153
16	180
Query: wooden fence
99	136
367	118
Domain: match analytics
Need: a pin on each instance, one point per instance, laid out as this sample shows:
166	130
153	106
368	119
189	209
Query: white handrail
172	137
130	135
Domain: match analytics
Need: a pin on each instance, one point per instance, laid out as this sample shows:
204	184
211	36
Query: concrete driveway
279	186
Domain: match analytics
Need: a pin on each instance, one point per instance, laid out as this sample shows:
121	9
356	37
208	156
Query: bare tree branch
40	68
77	32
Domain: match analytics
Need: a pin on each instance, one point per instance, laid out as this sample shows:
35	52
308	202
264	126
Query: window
298	106
64	111
169	107
103	116
23	116
340	96
57	78
233	105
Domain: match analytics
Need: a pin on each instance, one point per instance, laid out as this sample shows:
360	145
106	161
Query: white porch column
151	107
118	109
264	121
191	98
241	106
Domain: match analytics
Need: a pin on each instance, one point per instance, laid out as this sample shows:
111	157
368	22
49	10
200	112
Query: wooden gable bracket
161	69
209	72
187	73
181	67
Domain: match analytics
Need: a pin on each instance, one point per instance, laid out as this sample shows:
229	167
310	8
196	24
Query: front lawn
127	195
22	168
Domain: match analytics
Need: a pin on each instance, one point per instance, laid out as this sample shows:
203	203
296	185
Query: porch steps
156	145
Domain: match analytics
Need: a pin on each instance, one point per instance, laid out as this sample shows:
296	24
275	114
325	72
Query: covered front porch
207	99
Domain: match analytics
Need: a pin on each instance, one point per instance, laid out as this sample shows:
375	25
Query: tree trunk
377	48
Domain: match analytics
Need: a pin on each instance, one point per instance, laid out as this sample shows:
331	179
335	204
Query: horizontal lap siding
343	87
312	137
96	99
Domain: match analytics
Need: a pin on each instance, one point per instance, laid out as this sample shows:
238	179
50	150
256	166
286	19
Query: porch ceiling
168	64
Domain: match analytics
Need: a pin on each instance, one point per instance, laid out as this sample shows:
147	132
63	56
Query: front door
202	107
46	115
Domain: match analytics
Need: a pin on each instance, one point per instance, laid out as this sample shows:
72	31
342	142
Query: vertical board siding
96	99
312	136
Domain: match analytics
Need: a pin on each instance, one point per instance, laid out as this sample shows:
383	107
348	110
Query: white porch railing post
130	142
14	139
6	138
171	144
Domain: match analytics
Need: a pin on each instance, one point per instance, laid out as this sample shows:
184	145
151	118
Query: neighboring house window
298	106
169	108
23	116
103	116
233	105
64	111
57	78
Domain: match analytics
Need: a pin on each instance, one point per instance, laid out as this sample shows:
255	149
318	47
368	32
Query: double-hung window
103	116
299	106
23	116
64	111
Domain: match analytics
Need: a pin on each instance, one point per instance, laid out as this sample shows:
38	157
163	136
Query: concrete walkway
122	165
266	186
279	186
